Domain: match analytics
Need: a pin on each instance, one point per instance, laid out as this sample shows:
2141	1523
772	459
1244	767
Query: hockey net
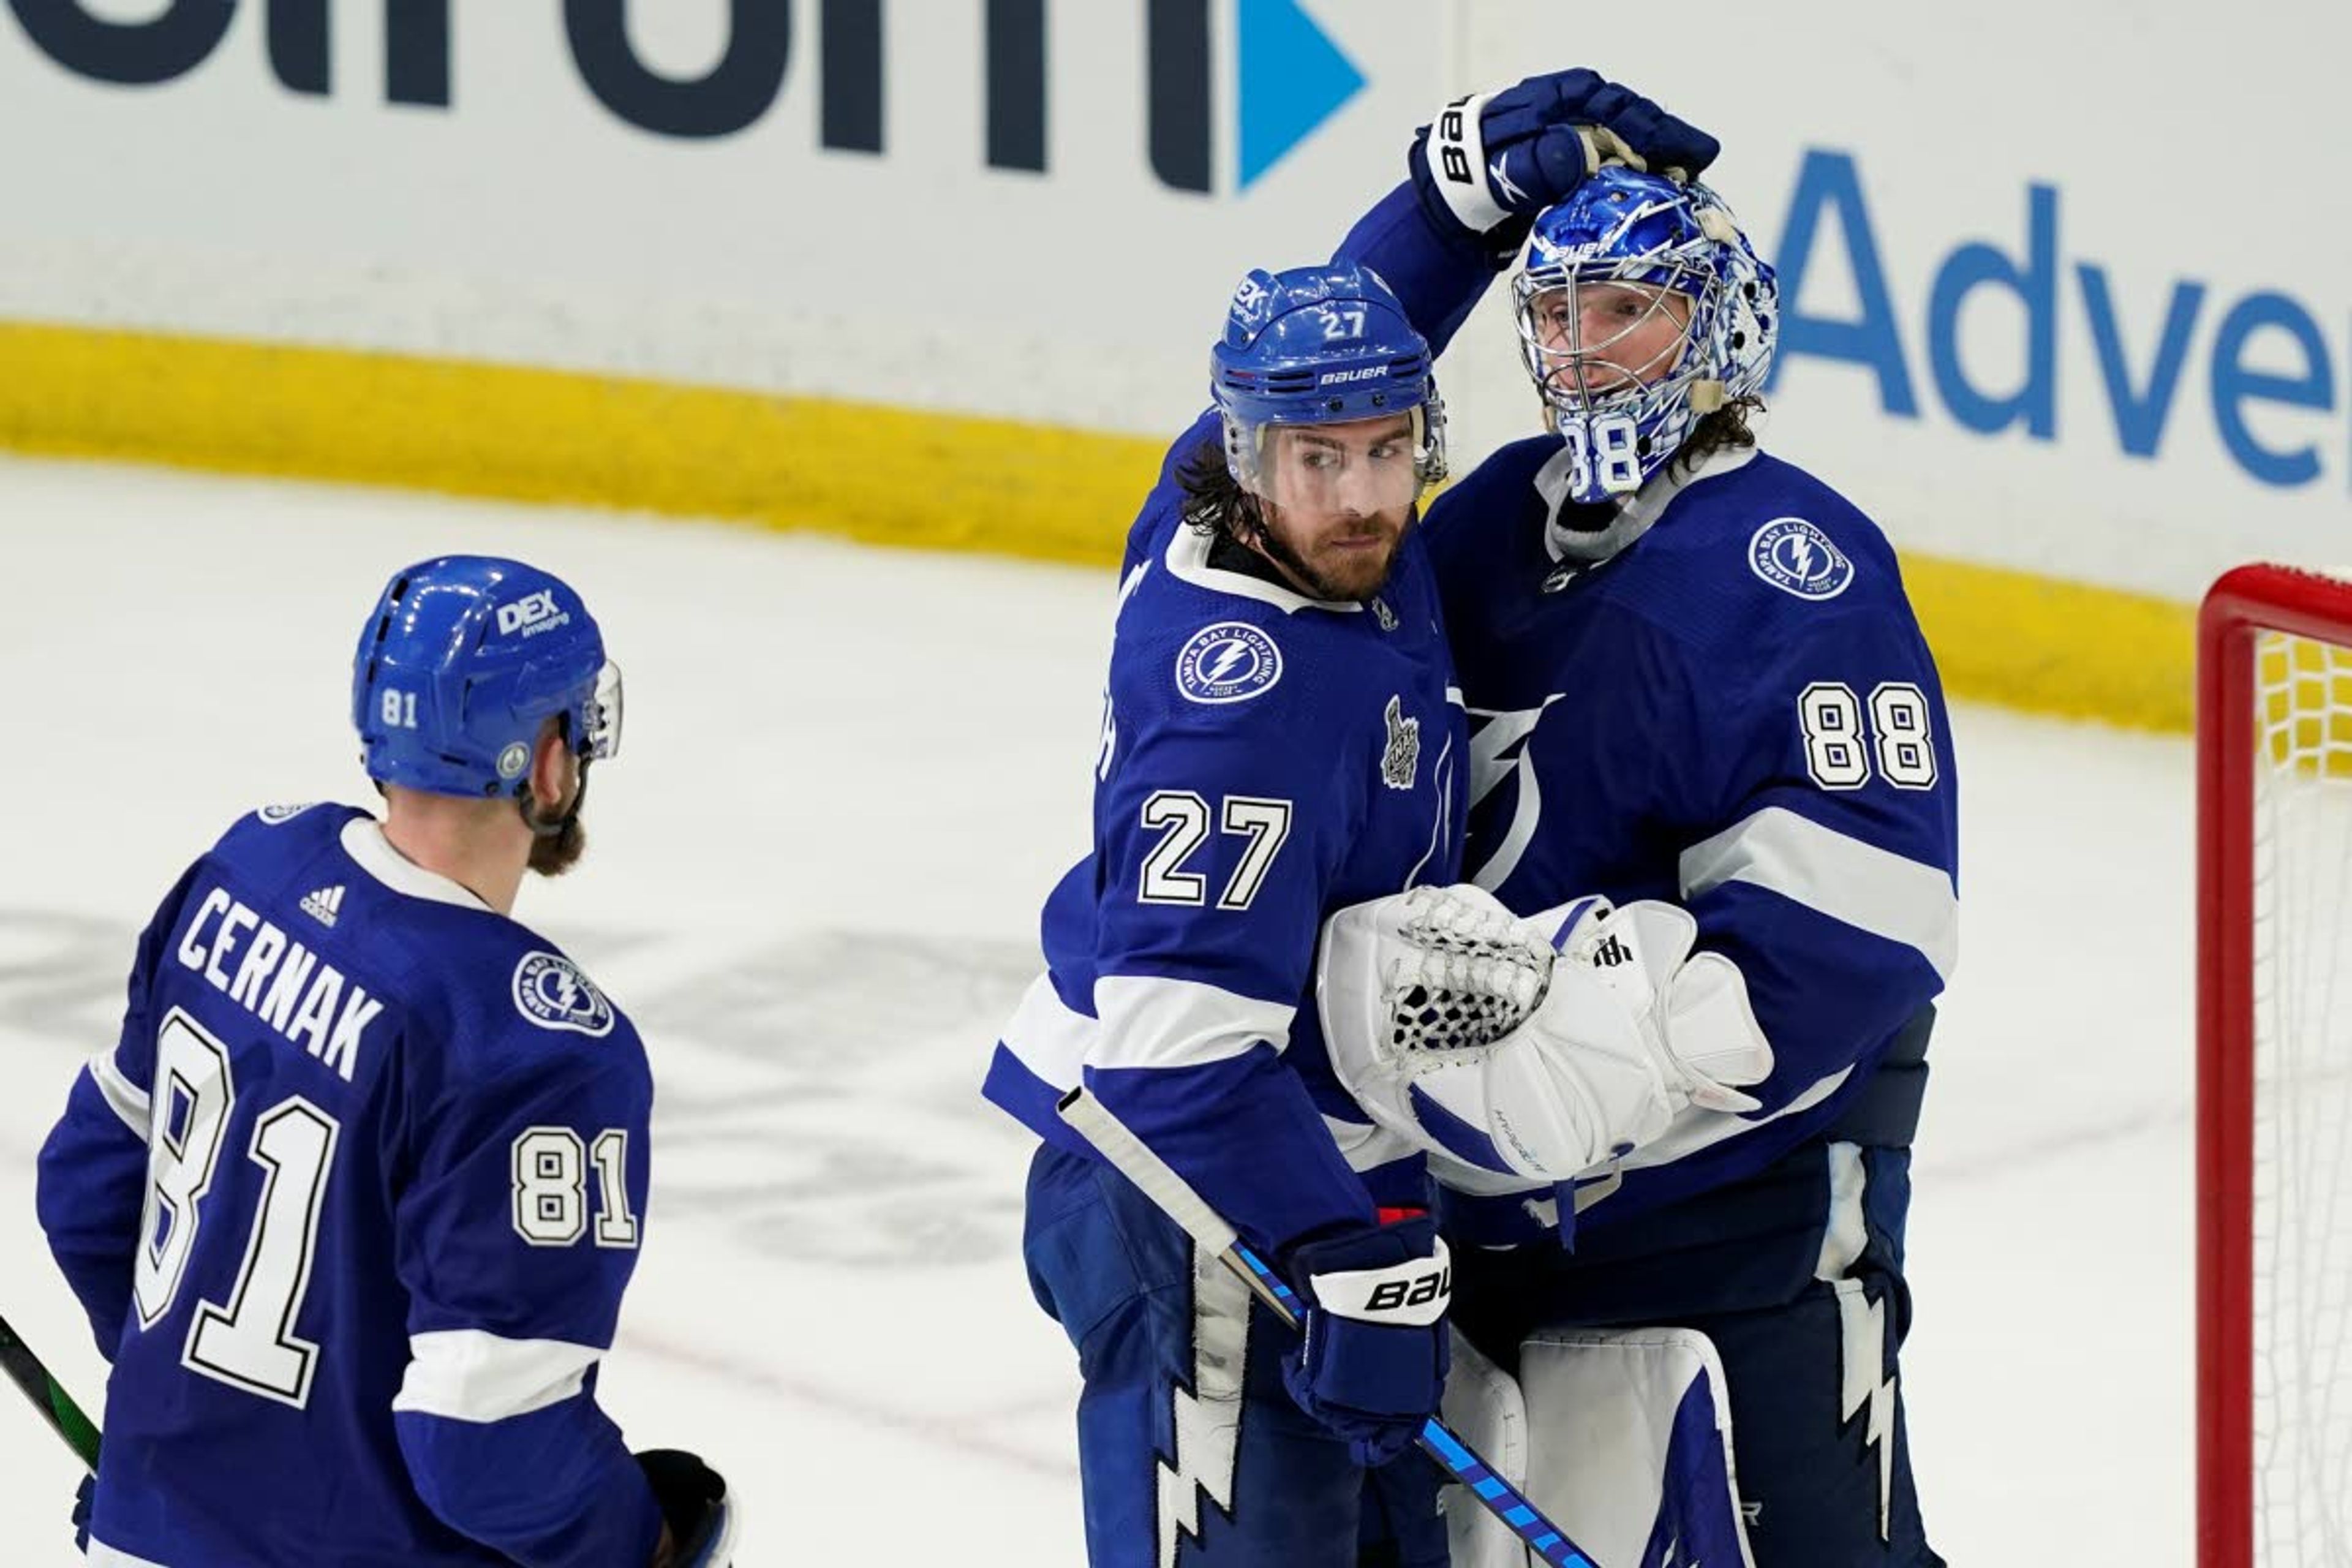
2274	1071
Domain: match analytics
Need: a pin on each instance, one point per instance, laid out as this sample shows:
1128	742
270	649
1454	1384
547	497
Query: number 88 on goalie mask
1332	419
1642	308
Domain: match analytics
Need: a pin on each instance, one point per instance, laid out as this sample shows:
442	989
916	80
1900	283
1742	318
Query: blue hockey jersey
352	1203
1265	759
1720	698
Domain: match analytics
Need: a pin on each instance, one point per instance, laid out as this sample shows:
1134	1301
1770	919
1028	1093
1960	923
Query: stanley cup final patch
1229	661
1798	558
1401	758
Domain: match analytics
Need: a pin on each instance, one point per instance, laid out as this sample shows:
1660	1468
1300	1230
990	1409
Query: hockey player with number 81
352	1198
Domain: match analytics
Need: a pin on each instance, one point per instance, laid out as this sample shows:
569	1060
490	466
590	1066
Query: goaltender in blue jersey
1710	762
1280	737
352	1200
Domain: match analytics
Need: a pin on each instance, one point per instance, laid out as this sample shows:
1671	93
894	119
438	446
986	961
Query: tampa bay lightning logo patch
1798	558
550	992
1231	661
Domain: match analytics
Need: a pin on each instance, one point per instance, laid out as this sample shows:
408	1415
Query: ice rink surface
848	778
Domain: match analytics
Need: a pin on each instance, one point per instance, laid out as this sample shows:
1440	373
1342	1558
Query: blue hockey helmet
1322	345
462	659
1687	317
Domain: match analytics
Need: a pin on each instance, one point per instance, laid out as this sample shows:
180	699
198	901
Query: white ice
849	777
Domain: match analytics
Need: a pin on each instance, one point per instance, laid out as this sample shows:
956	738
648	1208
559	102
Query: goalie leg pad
1627	1441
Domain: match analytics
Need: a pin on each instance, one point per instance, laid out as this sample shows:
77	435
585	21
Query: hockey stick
56	1406
1125	1152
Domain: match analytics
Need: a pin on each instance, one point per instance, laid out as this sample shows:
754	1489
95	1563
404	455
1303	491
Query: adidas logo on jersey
324	905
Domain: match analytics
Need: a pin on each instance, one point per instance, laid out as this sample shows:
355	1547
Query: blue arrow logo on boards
1293	78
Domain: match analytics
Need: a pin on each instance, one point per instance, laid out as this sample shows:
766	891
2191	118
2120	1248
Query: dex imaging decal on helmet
551	993
1798	558
531	615
1230	661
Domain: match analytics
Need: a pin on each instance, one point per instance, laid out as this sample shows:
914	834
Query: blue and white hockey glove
695	1506
1372	1363
1532	1049
83	1495
1492	160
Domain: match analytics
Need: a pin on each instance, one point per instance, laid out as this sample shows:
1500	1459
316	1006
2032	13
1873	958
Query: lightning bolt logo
1497	752
1229	661
1868	1388
1800	555
1798	558
1207	1427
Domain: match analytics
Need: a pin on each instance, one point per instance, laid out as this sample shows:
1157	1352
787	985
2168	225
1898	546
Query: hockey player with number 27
1710	764
351	1201
1279	740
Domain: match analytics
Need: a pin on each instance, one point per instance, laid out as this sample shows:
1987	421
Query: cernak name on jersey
277	980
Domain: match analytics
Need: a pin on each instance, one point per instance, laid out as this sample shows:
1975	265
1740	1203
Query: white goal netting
2303	1104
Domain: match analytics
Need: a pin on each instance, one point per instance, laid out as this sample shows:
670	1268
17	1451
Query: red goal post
2274	1071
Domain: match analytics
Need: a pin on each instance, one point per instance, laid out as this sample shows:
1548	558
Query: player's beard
1342	579
555	850
553	854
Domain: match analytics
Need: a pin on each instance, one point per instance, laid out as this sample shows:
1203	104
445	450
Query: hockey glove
695	1506
82	1498
1493	161
1516	1050
1371	1362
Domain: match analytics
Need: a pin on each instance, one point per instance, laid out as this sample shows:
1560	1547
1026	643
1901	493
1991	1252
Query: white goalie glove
1532	1048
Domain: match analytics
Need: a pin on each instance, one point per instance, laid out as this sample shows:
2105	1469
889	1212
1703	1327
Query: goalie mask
1641	306
1327	346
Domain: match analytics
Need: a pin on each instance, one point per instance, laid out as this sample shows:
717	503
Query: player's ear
551	764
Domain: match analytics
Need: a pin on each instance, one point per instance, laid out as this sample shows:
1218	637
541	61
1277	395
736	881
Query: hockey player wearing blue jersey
1708	749
352	1200
1279	740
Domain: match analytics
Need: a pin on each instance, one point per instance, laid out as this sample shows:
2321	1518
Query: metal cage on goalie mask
461	661
1322	345
1643	238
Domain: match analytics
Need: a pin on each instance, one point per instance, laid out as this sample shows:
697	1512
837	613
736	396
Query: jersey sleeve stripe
1366	1146
1694	1131
468	1375
101	1556
125	1099
1049	1038
1151	1021
1870	889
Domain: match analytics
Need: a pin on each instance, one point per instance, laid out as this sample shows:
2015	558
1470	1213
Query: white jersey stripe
1148	1021
467	1375
1865	887
1366	1147
1050	1038
101	1556
127	1100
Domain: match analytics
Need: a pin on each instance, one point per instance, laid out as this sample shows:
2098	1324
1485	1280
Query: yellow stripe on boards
893	476
2055	647
890	475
